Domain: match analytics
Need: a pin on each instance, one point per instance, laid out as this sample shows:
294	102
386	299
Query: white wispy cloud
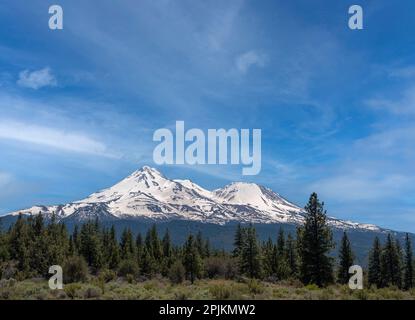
358	185
37	79
5	178
403	72
53	138
248	59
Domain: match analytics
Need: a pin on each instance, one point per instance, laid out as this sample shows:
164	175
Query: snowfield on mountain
147	193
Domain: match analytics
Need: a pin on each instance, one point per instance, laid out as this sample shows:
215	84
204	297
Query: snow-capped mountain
147	193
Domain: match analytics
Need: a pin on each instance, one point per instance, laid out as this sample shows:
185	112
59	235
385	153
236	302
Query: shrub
128	267
255	287
232	268
72	289
215	267
75	270
220	292
312	287
177	272
9	270
92	293
107	275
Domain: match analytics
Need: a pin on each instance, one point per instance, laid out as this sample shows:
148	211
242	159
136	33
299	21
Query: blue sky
336	107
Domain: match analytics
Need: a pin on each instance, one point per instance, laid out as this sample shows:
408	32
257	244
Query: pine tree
346	258
400	265
292	257
112	250
90	246
282	271
199	244
390	264
57	238
270	259
167	253
76	239
192	261
153	244
18	242
408	264
139	245
315	242
4	249
207	248
375	277
281	243
127	245
39	247
238	240
251	263
147	263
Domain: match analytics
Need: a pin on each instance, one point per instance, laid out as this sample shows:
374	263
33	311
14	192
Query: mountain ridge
148	194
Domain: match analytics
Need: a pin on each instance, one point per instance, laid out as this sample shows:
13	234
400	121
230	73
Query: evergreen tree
4	249
281	243
251	263
292	258
315	242
39	247
127	245
112	250
192	261
76	238
375	277
283	270
199	244
238	240
147	263
58	244
408	264
390	264
346	258
153	244
139	245
400	265
167	253
270	262
90	245
18	242
207	249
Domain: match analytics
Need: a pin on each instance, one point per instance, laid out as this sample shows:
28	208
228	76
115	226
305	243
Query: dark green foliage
375	276
19	243
239	241
4	248
391	264
177	272
127	244
128	267
112	250
346	258
408	265
314	244
250	257
292	256
33	244
90	246
74	269
192	260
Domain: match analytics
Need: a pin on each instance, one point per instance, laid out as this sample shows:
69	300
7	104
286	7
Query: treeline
30	246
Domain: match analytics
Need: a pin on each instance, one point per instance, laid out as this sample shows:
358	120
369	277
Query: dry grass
203	289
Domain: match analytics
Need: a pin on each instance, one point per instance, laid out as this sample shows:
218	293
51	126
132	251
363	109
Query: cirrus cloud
248	59
37	79
53	138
